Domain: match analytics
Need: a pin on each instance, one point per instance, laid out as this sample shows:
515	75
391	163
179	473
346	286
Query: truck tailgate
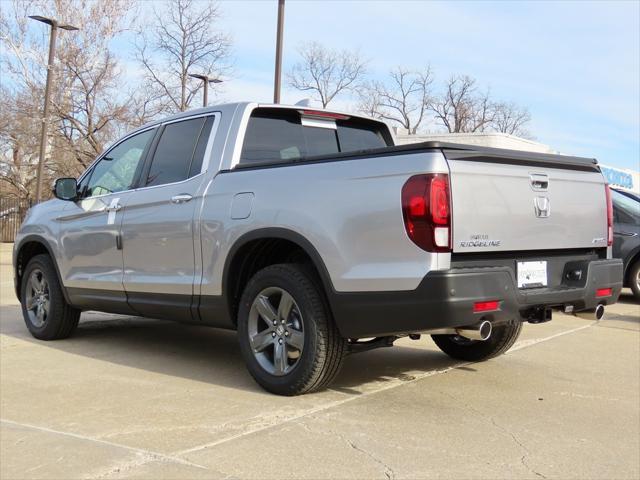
508	204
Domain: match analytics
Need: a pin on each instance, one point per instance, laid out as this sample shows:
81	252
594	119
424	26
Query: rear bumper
445	299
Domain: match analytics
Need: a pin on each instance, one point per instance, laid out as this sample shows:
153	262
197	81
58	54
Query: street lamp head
48	21
52	22
205	78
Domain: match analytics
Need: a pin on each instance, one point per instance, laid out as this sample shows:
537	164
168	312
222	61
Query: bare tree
326	72
88	107
403	100
511	119
461	108
182	40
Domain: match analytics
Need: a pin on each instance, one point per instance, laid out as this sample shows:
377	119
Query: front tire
46	313
502	339
287	336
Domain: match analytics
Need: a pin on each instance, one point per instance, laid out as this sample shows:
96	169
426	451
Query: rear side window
277	135
175	153
625	209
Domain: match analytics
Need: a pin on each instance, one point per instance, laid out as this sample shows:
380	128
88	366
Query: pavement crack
492	420
527	452
387	470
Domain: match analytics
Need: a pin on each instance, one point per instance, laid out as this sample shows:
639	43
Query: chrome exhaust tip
480	331
595	314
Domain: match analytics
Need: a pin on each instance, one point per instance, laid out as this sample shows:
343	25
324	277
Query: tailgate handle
539	181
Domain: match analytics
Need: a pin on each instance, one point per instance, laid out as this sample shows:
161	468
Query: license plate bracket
532	274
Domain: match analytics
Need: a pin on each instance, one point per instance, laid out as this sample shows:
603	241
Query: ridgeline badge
480	241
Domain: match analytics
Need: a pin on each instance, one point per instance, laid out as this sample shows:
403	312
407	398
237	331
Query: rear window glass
276	135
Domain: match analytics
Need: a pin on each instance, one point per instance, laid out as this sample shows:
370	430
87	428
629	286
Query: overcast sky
575	65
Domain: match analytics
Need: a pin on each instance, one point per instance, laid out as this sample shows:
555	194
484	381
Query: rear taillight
609	215
604	292
426	209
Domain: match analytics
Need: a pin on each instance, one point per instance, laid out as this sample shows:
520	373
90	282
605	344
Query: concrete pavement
133	398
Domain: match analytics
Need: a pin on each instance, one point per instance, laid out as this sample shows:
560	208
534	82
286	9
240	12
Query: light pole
54	24
278	72
207	80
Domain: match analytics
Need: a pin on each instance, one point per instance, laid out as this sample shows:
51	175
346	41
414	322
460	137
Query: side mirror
66	189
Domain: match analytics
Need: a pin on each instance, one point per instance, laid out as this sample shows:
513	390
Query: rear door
512	204
158	225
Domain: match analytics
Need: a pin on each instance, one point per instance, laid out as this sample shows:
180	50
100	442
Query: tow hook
538	315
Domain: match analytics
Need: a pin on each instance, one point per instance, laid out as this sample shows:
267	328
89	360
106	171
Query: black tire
634	279
61	319
502	339
324	349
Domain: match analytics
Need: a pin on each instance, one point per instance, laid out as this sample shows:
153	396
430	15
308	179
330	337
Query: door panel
91	260
157	239
158	225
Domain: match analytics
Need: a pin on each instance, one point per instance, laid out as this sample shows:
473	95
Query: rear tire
287	336
634	279
46	313
502	339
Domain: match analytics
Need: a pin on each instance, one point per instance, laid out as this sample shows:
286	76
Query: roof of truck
233	107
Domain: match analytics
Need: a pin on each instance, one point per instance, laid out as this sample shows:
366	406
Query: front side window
116	170
175	152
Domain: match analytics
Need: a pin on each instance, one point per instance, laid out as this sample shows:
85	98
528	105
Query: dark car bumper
445	299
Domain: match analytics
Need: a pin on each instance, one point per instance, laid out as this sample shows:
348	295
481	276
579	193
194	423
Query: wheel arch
29	247
246	249
634	257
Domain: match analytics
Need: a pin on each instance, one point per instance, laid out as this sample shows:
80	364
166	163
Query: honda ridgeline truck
314	236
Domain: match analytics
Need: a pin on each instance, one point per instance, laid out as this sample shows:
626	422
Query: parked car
626	237
314	237
627	193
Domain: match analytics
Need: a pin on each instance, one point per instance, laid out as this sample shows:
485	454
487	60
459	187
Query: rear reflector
604	292
489	306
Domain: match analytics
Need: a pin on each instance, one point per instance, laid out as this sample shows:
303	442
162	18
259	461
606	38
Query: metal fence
12	212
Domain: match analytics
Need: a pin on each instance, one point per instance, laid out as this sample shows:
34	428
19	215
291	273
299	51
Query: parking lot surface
133	398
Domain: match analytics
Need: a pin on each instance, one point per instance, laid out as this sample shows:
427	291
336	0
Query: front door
91	265
158	224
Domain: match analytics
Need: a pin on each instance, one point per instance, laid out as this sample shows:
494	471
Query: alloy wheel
37	301
276	331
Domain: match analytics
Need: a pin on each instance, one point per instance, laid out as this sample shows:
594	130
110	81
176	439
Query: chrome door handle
182	198
114	208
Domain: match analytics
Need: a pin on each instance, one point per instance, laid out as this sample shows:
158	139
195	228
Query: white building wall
493	139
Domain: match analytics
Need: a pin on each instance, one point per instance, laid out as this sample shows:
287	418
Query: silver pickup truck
310	233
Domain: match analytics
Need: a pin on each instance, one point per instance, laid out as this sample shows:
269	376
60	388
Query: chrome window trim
205	162
207	151
242	130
